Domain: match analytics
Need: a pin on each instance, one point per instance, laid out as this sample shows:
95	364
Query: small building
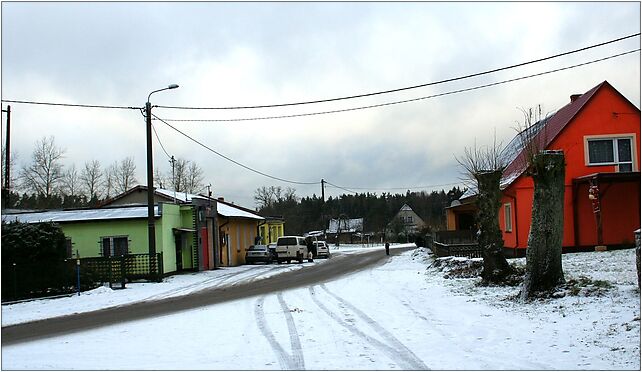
238	228
271	229
412	223
196	241
344	230
120	230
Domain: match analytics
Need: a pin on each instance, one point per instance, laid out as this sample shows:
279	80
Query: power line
160	143
405	88
232	160
72	105
407	100
351	189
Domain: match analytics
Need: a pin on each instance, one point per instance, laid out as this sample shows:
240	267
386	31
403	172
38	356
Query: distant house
343	230
406	221
599	133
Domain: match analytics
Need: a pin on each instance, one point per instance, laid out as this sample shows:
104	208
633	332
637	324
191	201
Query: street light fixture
151	231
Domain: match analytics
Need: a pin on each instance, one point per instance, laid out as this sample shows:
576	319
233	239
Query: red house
599	133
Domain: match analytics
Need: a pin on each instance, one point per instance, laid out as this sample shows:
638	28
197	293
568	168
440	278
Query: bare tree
109	180
264	197
45	171
485	166
91	178
547	168
125	175
193	178
70	182
160	181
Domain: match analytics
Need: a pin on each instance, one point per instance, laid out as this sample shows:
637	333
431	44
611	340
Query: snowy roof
227	210
405	207
80	215
181	196
346	225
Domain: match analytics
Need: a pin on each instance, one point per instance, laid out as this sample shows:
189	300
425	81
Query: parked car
259	253
322	249
290	248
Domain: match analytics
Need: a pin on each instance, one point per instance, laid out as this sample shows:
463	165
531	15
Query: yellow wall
271	231
238	234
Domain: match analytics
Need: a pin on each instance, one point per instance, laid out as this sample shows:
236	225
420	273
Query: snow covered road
395	316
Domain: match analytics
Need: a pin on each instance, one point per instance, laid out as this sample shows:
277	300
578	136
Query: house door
178	240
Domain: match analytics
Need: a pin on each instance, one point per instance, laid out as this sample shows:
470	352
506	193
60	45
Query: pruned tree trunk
496	268
544	252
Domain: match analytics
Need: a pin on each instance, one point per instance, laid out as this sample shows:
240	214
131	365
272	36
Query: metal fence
32	280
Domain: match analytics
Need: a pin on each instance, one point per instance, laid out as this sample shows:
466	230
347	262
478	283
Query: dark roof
545	132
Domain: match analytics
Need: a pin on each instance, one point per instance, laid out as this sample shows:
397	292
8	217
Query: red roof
552	127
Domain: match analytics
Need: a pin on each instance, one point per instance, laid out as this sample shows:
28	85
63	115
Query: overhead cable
72	105
405	88
393	188
406	100
232	160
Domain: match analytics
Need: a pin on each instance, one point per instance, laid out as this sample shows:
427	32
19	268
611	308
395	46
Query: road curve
339	265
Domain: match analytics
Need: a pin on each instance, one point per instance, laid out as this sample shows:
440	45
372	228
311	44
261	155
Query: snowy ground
401	315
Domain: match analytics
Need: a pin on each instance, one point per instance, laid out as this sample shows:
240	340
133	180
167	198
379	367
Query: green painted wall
86	236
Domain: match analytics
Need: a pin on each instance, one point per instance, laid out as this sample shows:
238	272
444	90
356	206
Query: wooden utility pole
7	170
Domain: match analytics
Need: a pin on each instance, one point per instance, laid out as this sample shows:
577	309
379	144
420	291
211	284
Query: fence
458	243
32	280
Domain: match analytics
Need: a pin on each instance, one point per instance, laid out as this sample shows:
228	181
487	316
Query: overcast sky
240	54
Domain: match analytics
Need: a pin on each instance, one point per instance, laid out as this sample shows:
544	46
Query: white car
290	248
322	249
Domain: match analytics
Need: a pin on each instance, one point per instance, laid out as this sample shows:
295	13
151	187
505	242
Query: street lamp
151	233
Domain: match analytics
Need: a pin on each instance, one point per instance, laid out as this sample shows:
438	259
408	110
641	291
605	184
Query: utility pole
7	149
151	229
323	205
173	161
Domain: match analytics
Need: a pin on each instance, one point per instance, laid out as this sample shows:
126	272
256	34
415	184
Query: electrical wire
232	160
72	105
393	188
407	100
160	143
405	88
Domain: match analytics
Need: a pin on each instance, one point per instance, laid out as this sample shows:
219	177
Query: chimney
574	97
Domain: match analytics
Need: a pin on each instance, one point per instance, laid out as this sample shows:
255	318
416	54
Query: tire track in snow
295	342
393	348
194	287
286	361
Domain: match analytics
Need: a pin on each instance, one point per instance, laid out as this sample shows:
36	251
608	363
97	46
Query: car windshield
257	248
286	241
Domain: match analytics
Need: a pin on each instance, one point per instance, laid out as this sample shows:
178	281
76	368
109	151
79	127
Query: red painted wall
619	215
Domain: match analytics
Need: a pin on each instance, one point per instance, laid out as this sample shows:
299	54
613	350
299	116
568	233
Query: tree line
378	210
44	181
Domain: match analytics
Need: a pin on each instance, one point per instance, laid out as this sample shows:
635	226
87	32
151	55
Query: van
290	248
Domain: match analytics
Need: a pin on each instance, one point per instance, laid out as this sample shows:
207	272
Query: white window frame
508	217
614	138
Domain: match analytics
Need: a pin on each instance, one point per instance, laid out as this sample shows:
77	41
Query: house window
69	247
409	219
114	246
611	151
508	218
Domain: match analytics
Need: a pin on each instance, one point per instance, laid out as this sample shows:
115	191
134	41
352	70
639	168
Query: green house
121	230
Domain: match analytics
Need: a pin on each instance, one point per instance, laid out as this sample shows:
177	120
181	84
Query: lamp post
151	231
